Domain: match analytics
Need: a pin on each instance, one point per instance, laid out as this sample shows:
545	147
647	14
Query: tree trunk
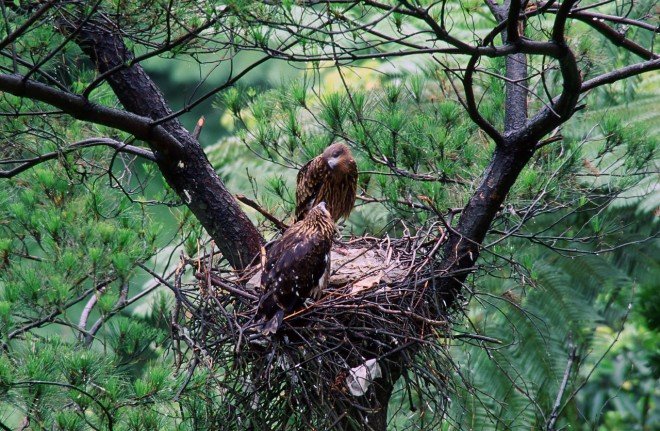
509	159
184	166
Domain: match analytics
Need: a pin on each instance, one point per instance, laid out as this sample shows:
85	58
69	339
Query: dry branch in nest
328	363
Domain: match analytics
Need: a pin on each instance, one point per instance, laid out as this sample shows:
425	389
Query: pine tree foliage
91	237
68	267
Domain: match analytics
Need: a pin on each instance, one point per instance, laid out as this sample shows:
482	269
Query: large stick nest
332	361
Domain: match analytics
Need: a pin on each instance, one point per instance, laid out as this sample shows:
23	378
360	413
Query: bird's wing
308	183
349	186
295	267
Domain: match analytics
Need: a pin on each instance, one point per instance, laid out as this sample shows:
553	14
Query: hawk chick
330	178
297	267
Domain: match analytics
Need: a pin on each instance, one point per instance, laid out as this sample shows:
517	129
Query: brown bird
330	178
297	267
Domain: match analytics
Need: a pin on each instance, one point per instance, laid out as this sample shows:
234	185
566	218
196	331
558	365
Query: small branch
249	202
120	147
198	128
369	199
551	424
619	74
595	16
471	104
217	281
438	213
477	337
121	304
45	319
617	38
549	140
191	371
84	316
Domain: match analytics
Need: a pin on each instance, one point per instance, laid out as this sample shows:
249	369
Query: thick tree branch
515	109
187	170
82	109
512	29
180	158
471	103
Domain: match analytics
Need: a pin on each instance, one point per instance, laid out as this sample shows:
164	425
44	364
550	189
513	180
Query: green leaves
232	100
81	369
334	111
63	241
7	371
152	383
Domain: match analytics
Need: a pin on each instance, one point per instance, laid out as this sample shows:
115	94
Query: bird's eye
336	153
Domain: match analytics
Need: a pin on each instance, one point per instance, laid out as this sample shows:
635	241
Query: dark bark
184	166
462	249
385	385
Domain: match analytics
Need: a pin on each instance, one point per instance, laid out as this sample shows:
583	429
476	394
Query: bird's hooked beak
335	154
323	208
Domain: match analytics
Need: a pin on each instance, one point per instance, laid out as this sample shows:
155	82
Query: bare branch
252	204
23	28
25	164
617	38
82	109
552	421
198	128
620	74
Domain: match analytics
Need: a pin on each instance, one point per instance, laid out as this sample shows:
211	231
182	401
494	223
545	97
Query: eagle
297	267
330	177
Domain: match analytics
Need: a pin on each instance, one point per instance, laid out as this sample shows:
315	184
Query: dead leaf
367	282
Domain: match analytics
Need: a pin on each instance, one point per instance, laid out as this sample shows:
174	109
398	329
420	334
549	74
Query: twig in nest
249	202
217	281
438	213
191	371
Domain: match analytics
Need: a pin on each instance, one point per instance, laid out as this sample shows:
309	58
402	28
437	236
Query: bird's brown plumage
331	178
297	267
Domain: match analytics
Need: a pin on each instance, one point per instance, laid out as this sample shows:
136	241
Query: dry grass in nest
328	360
